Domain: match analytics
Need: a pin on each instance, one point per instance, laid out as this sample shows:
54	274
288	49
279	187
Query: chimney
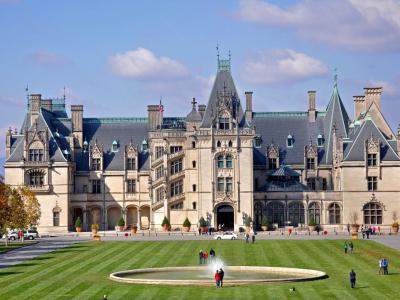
47	104
154	116
34	106
77	125
8	142
373	95
249	106
312	115
359	106
202	109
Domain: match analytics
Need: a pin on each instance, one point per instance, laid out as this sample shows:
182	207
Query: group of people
253	237
203	256
350	246
383	266
219	278
366	231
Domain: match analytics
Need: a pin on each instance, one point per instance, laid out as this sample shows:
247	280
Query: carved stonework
273	151
97	151
372	145
311	151
131	150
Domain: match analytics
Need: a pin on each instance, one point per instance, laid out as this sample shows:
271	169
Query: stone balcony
45	188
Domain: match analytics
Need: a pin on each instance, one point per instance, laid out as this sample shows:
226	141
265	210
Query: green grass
81	271
13	245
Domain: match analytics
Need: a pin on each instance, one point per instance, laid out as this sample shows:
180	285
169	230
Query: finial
194	103
64	93
217	51
229	54
335	77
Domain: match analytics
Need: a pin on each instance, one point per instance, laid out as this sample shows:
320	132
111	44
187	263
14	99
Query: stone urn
134	229
354	228
78	229
395	229
264	227
311	228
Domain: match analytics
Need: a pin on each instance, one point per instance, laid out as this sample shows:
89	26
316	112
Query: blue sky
117	57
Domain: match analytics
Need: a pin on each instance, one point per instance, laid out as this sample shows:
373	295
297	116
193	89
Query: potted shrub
264	223
354	222
186	225
95	228
166	225
395	224
247	223
312	224
78	225
120	225
134	229
203	225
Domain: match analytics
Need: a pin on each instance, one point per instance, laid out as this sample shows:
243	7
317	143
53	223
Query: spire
335	78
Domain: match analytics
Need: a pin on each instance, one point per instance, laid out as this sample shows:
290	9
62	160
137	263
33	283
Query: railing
176	175
175	155
176	198
40	188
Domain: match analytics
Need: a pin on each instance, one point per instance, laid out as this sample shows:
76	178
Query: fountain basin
234	275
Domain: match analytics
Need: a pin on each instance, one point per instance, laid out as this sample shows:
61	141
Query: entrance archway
225	217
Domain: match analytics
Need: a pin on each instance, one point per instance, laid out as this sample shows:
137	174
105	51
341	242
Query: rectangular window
193	144
160	194
311	183
220	162
131	164
176	188
159	151
256	183
324	184
372	183
257	142
372	160
177	206
310	163
194	187
176	166
194	205
193	164
35	155
96	186
131	185
224	123
175	149
36	179
56	218
159	172
95	164
84	188
272	163
229	184
220	184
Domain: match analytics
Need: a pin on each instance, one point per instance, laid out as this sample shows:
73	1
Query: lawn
12	245
81	271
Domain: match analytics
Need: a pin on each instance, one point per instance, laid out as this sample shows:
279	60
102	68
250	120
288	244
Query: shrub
202	222
395	224
78	223
248	221
312	222
264	221
187	223
95	226
121	222
166	222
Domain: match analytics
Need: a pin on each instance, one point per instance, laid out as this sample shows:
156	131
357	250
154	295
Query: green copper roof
285	114
114	120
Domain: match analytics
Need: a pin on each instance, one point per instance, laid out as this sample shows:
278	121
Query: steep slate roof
222	80
274	128
336	117
105	131
283	171
355	150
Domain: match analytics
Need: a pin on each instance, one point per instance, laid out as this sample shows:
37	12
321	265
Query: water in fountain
215	264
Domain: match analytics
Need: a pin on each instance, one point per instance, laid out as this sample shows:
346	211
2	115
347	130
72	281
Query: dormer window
145	145
289	141
114	146
257	141
85	145
35	154
224	123
372	159
320	141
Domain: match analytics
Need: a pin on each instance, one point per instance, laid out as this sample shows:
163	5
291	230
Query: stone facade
219	162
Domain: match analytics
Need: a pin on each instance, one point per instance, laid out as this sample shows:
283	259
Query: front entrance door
225	217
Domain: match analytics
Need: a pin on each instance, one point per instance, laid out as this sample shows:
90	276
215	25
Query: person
363	231
352	279
212	254
205	254
351	246
348	228
199	231
381	267
217	279
221	277
247	237
373	230
367	232
345	247
253	238
385	264
318	229
201	257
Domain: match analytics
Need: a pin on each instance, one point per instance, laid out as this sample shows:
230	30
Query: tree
31	204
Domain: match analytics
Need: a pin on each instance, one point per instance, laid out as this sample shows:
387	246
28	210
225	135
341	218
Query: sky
116	57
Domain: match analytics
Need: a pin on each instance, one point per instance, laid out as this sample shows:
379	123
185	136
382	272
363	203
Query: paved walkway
22	254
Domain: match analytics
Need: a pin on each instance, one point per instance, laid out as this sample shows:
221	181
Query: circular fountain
234	275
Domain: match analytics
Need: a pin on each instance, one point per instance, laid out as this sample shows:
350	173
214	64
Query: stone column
139	225
85	220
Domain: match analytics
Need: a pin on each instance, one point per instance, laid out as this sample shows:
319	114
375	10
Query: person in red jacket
217	279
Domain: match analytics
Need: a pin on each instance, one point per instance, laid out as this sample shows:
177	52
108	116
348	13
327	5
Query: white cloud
7	100
48	59
366	25
388	89
143	64
281	66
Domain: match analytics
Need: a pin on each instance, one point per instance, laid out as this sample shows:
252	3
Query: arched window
56	216
334	213
289	141
258	211
228	161
314	212
276	213
114	146
320	140
220	161
218	144
230	144
36	178
145	145
372	213
296	213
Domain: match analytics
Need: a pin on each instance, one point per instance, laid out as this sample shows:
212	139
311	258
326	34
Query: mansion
222	161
